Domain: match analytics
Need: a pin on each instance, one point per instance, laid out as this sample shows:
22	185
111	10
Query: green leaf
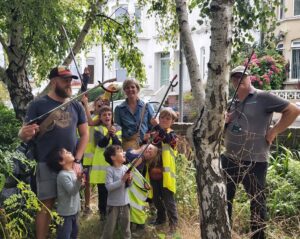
2	181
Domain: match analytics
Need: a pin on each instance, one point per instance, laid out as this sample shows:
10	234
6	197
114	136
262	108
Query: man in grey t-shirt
59	133
248	137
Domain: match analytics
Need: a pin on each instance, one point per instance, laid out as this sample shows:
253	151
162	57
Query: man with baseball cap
61	134
247	139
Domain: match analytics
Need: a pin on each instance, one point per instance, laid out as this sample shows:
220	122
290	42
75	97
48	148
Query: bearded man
59	132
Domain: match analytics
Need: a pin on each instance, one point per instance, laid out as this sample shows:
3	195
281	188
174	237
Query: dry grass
91	227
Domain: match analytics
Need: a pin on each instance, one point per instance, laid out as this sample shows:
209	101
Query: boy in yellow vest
105	134
162	177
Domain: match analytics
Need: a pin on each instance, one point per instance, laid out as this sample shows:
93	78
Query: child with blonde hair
163	176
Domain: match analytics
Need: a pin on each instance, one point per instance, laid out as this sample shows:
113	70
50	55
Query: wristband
77	161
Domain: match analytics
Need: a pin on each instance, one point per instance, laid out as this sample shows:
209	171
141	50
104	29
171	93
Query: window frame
295	46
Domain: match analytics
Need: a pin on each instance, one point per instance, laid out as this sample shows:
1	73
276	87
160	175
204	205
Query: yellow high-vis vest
147	177
99	165
91	146
169	167
138	195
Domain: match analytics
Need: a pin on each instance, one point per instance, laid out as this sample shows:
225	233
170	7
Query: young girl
164	186
68	185
139	190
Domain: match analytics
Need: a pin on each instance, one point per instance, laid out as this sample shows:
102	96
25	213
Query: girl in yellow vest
93	120
162	175
140	188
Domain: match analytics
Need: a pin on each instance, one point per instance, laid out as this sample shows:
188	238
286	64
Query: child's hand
154	121
77	167
127	177
80	177
147	137
84	100
129	180
112	131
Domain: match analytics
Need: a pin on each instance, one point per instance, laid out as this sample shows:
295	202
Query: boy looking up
68	185
117	200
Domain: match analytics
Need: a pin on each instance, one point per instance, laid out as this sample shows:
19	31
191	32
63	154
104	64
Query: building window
91	65
281	9
164	68
295	59
121	12
73	67
138	18
280	48
121	73
202	62
296	7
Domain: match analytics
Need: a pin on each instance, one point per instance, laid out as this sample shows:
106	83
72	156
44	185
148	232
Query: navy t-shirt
62	132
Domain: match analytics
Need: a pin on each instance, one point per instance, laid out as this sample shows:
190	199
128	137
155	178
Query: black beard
61	92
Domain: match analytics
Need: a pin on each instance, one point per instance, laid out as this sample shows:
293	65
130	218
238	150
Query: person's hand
271	135
147	137
228	117
147	186
81	177
126	177
154	121
27	132
85	100
129	180
77	167
112	131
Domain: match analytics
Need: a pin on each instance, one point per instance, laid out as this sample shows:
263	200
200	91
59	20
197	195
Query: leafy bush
186	193
17	202
283	180
9	127
268	69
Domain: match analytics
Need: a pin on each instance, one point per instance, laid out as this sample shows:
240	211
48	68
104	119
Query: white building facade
160	65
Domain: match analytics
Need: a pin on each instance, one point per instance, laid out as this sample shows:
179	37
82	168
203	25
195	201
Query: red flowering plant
268	71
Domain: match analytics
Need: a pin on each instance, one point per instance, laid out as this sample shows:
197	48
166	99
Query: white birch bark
207	132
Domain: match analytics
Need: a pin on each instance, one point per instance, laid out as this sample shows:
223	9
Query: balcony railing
292	95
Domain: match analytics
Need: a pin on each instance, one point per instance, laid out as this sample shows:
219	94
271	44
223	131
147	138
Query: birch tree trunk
16	78
190	53
207	132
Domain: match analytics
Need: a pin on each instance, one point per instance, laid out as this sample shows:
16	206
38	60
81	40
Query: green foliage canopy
43	44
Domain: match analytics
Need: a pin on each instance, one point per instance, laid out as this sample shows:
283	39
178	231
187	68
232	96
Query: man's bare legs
43	219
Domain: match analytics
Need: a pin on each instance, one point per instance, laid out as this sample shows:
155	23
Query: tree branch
84	31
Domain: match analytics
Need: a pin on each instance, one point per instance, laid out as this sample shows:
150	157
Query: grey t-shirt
117	192
250	120
62	133
68	199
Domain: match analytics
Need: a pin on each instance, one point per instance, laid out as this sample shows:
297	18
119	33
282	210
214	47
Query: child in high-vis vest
118	180
105	134
163	174
93	120
139	191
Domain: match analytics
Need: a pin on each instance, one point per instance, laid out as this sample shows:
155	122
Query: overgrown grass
283	199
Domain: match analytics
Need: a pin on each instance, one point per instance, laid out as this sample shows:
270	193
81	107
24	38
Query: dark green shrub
9	127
